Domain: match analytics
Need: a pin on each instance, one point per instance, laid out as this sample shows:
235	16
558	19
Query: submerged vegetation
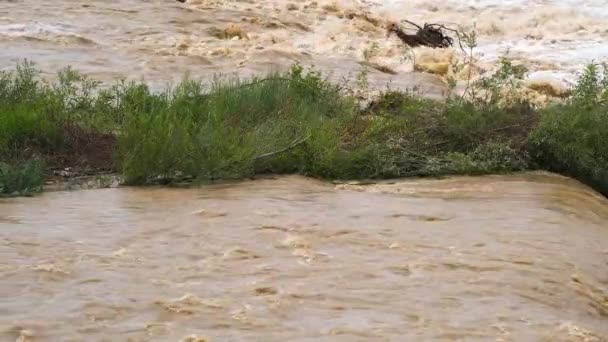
292	122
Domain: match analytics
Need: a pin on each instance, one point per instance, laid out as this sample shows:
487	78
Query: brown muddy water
519	258
501	258
161	40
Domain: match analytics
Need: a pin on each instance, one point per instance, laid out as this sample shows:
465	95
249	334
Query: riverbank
294	122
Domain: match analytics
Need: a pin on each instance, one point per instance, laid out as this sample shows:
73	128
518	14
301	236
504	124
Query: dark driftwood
431	35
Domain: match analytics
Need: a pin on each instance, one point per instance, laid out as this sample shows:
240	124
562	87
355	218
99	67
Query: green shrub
218	133
572	138
21	179
294	122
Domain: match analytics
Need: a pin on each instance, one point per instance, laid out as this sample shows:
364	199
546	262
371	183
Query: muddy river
160	41
517	258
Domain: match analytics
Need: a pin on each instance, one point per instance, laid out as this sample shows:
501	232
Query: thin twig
411	23
295	143
452	30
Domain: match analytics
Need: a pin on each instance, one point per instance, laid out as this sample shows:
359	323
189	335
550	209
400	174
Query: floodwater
499	258
518	258
161	40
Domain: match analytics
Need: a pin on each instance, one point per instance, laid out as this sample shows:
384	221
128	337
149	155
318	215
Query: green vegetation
21	179
572	138
293	122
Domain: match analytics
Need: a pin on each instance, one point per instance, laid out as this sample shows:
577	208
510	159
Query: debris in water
431	218
266	291
432	35
270	227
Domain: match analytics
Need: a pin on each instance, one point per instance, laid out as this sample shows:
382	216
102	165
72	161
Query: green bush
294	122
21	179
572	138
39	118
218	133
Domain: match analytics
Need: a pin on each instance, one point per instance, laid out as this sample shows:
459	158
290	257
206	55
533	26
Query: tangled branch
432	35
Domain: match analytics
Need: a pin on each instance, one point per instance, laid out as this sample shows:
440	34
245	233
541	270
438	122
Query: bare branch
431	35
413	24
295	143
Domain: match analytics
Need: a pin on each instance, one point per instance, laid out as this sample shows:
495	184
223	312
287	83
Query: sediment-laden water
517	258
161	40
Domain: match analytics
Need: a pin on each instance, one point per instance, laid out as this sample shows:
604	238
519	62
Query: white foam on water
57	32
162	38
35	28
